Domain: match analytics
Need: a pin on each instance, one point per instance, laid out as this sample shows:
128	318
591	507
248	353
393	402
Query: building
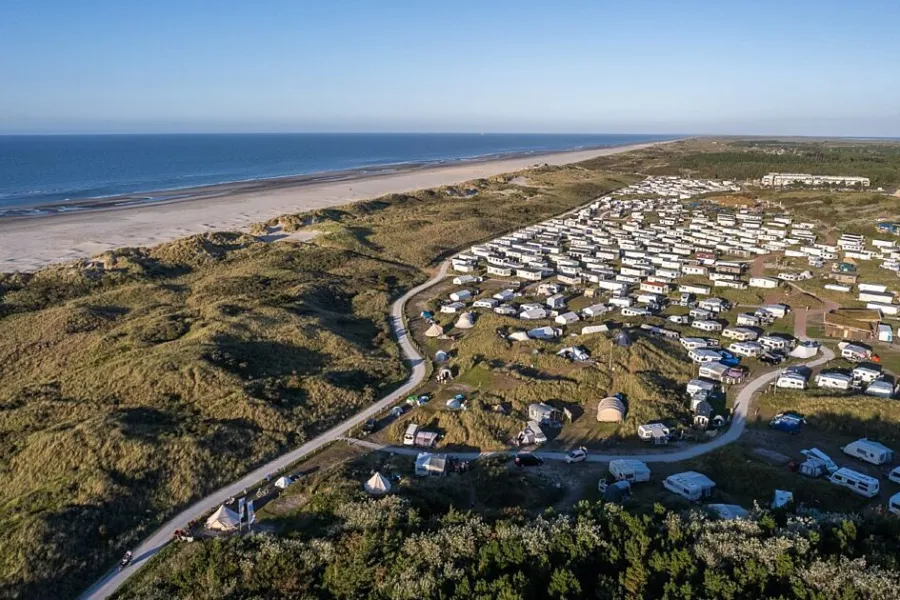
786	179
852	324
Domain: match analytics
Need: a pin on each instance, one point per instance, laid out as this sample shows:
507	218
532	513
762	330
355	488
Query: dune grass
130	389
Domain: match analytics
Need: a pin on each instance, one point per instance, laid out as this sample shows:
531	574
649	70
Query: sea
54	173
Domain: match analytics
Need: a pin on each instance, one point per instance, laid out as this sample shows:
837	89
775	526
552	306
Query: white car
893	475
575	456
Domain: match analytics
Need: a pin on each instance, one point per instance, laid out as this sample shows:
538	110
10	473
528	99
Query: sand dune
29	244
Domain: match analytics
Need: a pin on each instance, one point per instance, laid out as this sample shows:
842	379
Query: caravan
690	485
747	349
869	451
857	482
792	381
832	380
632	471
855	353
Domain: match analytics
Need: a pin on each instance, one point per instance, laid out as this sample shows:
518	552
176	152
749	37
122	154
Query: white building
782	179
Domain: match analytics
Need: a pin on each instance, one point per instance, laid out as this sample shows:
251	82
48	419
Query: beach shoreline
28	243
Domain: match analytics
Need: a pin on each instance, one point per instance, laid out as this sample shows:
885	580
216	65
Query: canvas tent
610	410
377	485
223	519
282	482
434	331
617	492
805	350
466	321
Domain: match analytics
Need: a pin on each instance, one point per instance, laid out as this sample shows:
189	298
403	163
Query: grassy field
130	390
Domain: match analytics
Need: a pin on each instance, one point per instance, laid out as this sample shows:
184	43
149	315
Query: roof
852	318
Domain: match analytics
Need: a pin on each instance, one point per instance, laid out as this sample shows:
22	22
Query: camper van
409	438
857	482
690	485
632	471
869	451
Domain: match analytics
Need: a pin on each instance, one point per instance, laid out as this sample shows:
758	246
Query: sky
800	67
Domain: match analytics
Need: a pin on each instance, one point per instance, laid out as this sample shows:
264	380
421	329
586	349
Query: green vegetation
131	389
387	549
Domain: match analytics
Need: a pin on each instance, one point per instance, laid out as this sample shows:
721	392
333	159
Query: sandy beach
29	244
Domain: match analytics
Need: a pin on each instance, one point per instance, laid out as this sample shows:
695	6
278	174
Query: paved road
738	423
110	582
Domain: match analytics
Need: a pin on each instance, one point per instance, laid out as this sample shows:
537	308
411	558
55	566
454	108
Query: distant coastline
30	243
226	188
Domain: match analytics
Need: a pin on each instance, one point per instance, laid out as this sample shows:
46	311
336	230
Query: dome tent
466	321
377	485
610	410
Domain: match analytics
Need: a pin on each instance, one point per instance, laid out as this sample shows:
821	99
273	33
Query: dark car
369	425
771	358
526	459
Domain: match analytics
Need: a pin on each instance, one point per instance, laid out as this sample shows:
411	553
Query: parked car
369	425
527	459
578	455
789	422
771	358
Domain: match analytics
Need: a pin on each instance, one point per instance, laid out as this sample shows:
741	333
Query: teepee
223	519
377	485
466	321
434	331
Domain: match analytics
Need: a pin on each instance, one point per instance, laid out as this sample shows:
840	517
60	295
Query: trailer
869	451
857	482
632	471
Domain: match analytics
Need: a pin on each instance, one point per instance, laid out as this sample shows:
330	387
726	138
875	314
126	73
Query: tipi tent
434	331
282	482
610	410
377	485
466	321
223	519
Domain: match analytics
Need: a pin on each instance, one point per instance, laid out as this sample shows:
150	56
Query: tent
610	410
434	331
622	339
377	485
518	336
282	482
441	356
782	498
223	519
466	321
616	492
805	350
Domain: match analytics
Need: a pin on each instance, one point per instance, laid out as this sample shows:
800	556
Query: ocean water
45	170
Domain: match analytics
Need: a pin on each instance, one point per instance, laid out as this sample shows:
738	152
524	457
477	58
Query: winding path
113	579
738	423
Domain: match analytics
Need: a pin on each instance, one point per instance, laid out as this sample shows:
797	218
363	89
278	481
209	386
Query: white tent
223	519
518	336
466	321
377	485
282	482
805	350
434	331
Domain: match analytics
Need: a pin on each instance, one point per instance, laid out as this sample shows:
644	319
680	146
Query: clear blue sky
825	67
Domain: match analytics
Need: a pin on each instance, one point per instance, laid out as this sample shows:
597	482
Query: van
409	438
857	482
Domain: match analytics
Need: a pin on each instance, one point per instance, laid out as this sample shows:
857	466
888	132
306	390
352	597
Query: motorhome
857	482
409	438
690	485
869	451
